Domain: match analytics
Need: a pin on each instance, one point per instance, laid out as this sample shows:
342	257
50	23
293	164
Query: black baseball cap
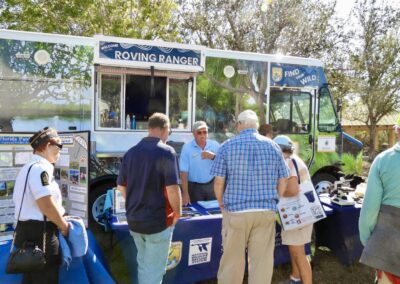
42	136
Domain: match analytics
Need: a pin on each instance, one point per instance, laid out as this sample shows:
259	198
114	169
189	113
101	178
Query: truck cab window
290	112
327	118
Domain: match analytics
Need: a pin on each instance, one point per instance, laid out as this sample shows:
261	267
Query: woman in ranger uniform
38	208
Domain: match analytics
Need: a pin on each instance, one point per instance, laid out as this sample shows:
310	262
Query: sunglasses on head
56	144
201	132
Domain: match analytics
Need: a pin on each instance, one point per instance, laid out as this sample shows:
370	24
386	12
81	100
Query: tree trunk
372	133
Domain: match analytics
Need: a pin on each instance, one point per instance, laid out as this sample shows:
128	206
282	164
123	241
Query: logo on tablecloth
200	251
175	254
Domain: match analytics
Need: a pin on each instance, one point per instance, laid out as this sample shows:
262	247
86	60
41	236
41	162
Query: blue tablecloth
91	268
192	235
339	231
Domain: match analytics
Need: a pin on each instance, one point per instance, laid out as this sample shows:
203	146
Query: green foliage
376	63
322	159
295	27
144	19
291	27
352	164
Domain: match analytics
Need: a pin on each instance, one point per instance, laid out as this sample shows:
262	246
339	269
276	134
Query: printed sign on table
200	251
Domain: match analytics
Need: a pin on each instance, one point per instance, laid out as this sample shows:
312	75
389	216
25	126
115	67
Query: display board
71	172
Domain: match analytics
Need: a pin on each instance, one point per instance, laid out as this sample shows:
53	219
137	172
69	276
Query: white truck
110	86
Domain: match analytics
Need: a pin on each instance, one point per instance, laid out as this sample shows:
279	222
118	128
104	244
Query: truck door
290	113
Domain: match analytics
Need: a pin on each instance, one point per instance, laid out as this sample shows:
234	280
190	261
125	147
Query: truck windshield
290	111
327	119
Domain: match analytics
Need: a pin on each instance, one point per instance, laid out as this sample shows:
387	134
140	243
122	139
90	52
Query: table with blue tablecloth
339	231
91	268
196	247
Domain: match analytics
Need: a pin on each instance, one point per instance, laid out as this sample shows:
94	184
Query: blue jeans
152	255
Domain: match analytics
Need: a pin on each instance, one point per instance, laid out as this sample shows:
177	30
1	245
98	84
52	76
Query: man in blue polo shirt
249	172
195	163
148	180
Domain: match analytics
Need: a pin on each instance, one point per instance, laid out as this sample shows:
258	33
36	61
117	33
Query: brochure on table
71	172
301	210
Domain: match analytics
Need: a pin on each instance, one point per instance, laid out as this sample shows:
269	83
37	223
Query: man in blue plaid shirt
249	172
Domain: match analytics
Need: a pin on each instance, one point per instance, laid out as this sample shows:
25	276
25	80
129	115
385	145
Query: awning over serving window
143	72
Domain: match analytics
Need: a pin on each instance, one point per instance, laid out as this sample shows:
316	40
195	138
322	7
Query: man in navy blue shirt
148	179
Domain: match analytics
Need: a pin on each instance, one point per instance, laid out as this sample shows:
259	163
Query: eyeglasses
56	144
169	132
201	132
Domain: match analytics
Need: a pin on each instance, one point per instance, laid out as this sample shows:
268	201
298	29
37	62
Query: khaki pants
254	231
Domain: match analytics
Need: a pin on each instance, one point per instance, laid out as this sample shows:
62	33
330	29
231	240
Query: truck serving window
327	118
290	111
125	101
141	102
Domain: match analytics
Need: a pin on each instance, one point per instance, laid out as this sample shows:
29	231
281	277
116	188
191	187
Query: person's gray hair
158	120
248	118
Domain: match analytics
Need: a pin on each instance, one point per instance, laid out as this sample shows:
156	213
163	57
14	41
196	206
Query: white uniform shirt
35	189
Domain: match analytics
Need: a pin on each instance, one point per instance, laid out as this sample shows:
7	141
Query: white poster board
71	172
302	209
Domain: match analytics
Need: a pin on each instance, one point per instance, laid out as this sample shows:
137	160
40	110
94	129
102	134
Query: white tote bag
303	209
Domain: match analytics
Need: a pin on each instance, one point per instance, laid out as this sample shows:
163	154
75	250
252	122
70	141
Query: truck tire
323	182
97	197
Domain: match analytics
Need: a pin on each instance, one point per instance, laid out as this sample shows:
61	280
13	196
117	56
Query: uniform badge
175	254
277	74
44	177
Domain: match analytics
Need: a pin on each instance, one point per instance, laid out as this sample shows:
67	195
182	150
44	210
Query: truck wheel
97	197
323	182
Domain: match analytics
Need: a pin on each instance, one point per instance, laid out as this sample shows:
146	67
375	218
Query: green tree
292	27
145	19
376	63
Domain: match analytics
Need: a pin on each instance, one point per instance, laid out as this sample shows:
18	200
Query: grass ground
326	270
